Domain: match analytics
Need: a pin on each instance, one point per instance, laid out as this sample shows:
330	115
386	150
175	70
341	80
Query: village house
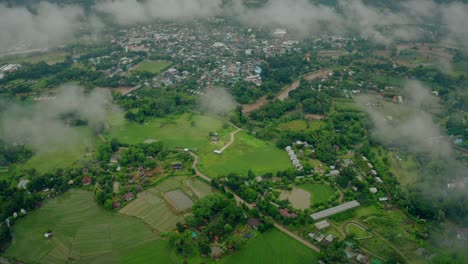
286	213
254	222
177	166
322	225
128	196
86	181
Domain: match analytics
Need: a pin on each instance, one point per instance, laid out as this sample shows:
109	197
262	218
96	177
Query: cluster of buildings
8	68
293	157
224	54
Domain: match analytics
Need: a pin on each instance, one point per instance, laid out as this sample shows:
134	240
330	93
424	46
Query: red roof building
86	181
286	213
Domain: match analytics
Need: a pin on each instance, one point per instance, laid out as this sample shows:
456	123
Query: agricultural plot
200	188
245	153
272	247
152	66
298	198
180	132
320	193
156	209
83	232
178	200
148	253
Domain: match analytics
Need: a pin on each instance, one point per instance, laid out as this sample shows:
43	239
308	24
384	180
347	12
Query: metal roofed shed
334	210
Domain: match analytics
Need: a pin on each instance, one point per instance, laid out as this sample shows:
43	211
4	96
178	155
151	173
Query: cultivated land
199	188
83	232
152	208
174	133
273	247
245	153
320	193
152	66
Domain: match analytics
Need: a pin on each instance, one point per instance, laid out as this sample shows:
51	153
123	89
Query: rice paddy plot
201	189
151	205
272	247
82	231
178	200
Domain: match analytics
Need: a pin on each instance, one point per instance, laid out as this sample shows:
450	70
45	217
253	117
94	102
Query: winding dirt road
240	201
248	108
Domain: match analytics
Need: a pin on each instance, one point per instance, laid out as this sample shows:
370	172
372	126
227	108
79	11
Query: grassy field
295	125
64	156
359	232
153	66
301	125
272	247
320	193
245	153
83	233
52	57
174	133
148	253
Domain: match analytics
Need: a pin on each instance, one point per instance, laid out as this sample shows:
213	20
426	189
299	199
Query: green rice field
272	247
82	231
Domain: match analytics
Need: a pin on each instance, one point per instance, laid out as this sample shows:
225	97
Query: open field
299	198
272	247
245	153
174	133
357	231
301	125
52	57
295	125
320	193
63	156
83	232
152	66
